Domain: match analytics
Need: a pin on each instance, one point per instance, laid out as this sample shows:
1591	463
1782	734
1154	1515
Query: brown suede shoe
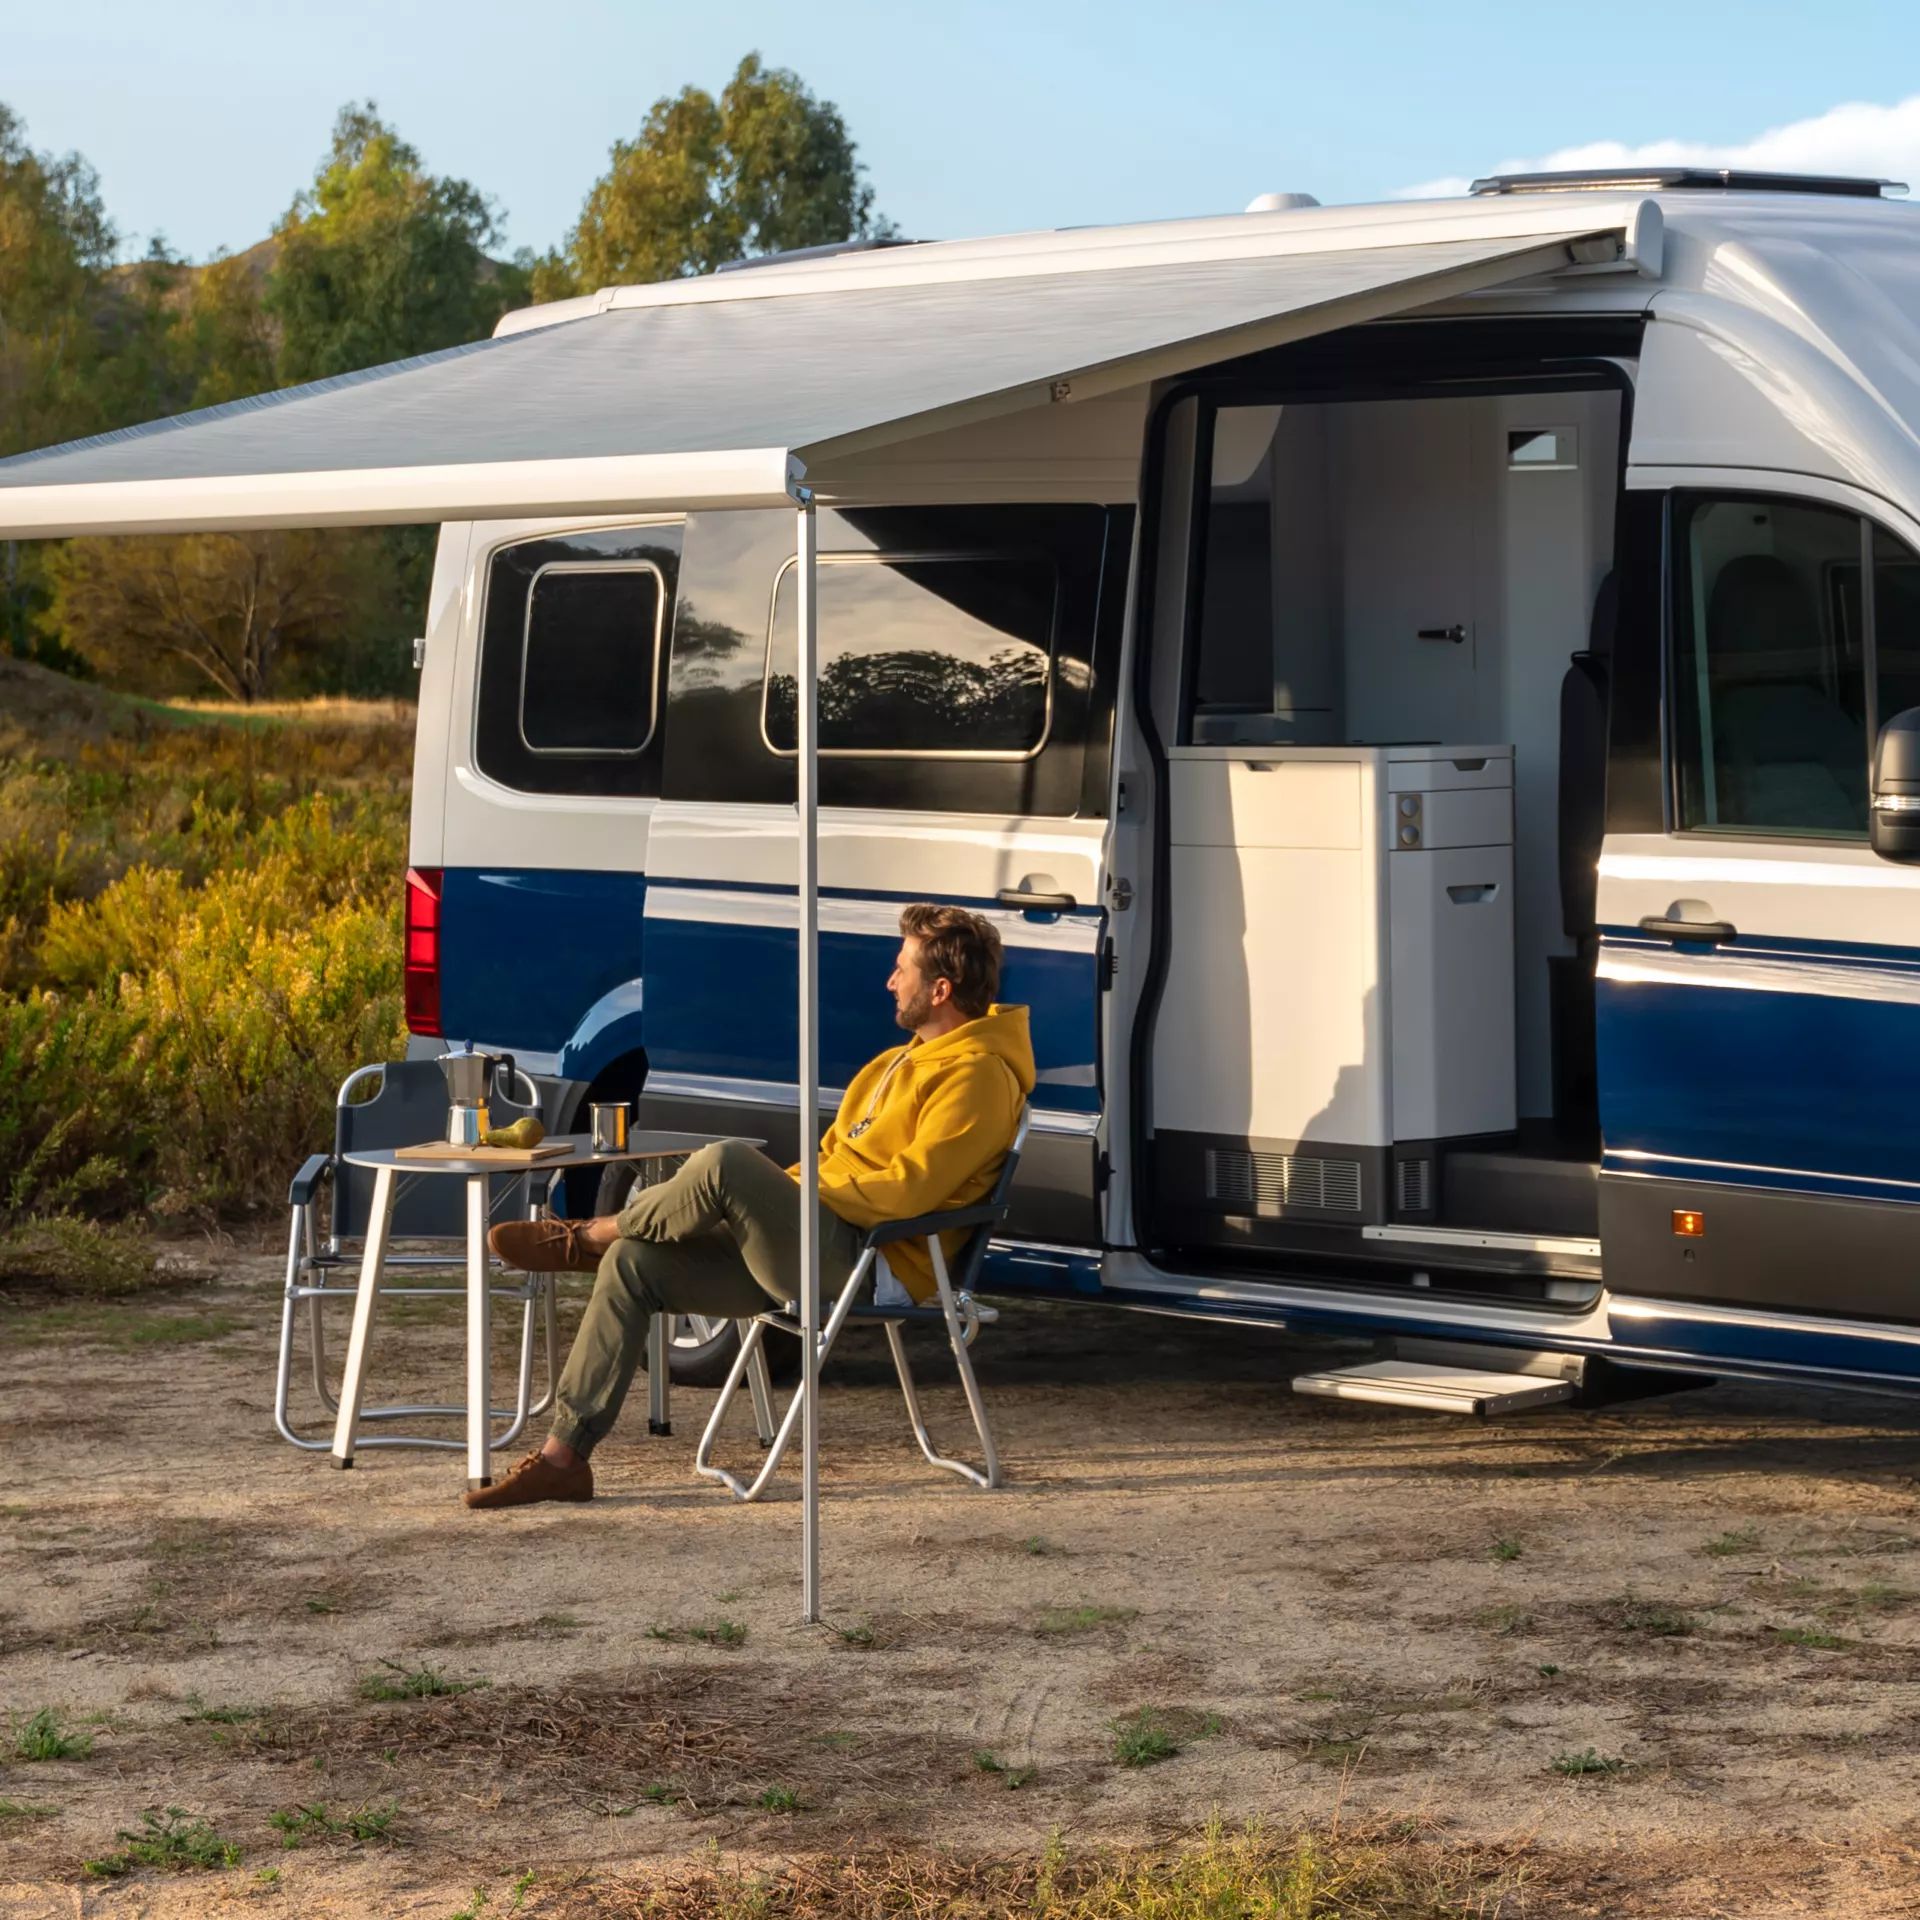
544	1246
535	1478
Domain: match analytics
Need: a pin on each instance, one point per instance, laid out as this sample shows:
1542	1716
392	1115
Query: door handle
1457	634
1705	933
1036	902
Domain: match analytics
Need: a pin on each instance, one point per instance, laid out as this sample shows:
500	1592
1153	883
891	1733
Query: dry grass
720	1737
1245	1873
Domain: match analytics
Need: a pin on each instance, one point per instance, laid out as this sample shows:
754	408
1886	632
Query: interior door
1758	987
1408	604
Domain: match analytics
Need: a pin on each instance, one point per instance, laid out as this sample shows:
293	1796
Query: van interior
1384	731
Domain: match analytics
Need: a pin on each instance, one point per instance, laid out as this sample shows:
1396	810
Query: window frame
917	558
1678	576
660	596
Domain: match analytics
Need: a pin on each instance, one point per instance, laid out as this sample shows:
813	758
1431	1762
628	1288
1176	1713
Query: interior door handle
1704	933
1036	902
1457	634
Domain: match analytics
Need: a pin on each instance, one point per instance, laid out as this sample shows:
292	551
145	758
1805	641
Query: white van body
1421	773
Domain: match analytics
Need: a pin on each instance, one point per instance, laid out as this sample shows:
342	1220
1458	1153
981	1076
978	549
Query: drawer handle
1471	895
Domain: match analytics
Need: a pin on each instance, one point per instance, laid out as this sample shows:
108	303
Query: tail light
423	950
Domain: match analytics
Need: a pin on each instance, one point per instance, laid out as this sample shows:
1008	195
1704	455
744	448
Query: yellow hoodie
926	1126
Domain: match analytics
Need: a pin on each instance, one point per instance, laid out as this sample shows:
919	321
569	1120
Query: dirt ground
1337	1614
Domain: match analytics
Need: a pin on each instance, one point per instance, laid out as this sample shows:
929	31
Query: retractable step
1435	1388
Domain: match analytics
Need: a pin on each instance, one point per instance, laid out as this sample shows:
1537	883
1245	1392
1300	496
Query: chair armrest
307	1180
923	1224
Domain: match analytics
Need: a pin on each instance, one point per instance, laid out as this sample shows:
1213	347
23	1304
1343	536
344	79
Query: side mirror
1893	828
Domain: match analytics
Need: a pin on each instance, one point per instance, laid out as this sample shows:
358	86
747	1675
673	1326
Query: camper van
1447	780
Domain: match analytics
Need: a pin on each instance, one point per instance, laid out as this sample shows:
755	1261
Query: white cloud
1859	138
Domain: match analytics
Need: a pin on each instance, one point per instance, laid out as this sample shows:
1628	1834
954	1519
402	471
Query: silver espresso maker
469	1080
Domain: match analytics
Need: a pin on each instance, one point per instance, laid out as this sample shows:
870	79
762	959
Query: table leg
354	1380
659	1380
479	1335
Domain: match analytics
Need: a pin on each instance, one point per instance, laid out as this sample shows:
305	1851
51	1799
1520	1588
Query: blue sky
204	116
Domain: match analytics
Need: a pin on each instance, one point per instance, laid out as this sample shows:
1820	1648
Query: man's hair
960	948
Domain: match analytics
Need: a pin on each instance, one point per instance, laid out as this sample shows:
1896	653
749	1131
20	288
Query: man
923	1127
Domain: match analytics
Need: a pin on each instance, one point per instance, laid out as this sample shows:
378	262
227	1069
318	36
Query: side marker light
1688	1225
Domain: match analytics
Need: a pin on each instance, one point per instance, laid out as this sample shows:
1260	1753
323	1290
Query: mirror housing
1893	827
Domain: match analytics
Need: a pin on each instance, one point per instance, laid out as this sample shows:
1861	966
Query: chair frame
310	1283
954	1307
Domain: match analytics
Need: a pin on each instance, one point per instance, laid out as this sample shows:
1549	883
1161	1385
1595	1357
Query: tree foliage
231	608
766	167
380	259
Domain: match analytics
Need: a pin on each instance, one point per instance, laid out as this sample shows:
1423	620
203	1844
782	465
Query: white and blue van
1423	773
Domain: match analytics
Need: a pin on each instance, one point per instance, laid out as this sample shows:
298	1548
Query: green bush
191	965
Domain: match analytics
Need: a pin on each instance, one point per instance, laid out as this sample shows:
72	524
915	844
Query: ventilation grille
1298	1182
1413	1186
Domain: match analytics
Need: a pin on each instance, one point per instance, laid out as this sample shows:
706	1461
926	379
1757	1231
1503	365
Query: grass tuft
1055	1622
1576	1765
412	1683
1142	1739
41	1737
780	1800
175	1842
1506	1549
297	1825
1736	1540
1815	1637
1012	1778
1633	1615
716	1633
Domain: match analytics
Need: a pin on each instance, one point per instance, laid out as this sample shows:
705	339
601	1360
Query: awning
716	402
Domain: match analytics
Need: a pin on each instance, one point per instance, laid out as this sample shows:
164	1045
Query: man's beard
914	1014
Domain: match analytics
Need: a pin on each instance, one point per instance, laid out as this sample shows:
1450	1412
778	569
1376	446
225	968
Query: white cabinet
1342	946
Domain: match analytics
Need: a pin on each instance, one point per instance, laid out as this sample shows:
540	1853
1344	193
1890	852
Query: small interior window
587	679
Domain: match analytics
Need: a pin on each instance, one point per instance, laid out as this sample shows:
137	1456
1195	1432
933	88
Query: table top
580	1153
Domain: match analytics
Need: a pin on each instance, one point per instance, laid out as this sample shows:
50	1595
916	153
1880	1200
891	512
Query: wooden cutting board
496	1156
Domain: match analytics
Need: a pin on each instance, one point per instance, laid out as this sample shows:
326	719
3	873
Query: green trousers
720	1238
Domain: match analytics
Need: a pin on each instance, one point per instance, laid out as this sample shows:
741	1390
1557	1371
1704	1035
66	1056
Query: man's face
914	996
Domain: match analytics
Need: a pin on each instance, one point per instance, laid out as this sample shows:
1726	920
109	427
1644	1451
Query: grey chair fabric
1787	754
410	1106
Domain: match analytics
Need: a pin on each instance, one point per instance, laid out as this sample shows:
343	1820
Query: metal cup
609	1123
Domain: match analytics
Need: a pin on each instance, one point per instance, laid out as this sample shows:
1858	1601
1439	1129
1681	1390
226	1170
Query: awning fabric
717	402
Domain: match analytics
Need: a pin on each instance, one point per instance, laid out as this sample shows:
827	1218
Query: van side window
573	639
935	653
1769	675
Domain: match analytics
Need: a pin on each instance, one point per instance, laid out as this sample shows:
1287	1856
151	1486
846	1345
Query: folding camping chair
954	1308
409	1104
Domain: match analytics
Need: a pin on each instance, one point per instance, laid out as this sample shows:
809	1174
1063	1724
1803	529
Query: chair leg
956	1338
297	1244
760	1384
744	1362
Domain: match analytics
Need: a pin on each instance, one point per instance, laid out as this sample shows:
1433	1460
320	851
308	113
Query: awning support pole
806	691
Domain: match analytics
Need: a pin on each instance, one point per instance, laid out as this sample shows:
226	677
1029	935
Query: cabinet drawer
1255	802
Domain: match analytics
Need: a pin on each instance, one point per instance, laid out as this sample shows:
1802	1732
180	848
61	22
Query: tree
55	238
765	167
379	259
231	609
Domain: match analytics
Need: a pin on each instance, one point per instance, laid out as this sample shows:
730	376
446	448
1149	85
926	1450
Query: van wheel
700	1351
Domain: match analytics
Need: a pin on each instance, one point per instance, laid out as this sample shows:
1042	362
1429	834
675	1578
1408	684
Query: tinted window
1770	689
587	672
946	653
1896	624
573	639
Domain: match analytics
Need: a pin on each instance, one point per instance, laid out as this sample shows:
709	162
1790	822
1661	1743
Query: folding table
389	1166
